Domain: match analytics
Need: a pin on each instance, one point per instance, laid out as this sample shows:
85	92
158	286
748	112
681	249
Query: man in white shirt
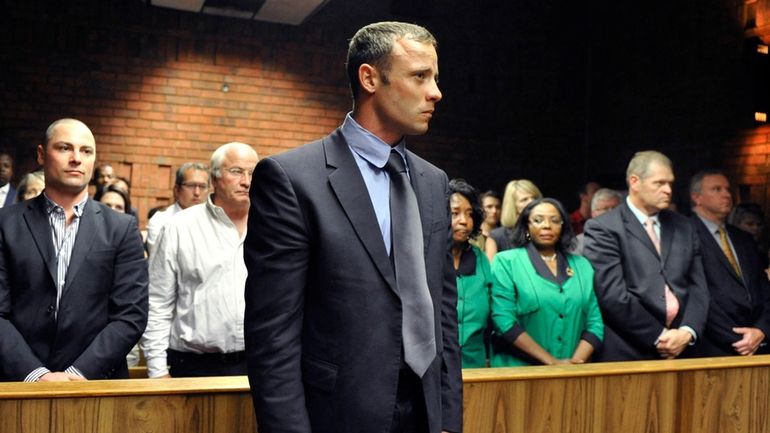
197	275
7	192
190	188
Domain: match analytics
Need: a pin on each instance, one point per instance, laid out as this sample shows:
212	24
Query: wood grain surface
711	395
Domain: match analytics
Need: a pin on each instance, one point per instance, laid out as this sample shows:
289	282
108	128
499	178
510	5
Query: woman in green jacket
544	308
474	277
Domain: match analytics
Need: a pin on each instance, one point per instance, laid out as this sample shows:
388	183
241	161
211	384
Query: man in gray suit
649	276
330	321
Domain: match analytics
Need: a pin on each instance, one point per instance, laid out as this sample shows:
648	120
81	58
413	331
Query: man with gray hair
197	273
603	200
351	303
649	278
190	188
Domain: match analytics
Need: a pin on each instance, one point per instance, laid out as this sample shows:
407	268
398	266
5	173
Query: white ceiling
292	12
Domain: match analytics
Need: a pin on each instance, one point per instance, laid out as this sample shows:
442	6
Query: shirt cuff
72	370
692	332
592	339
36	374
157	367
513	333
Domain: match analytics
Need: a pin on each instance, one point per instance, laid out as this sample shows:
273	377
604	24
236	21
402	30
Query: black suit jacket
736	301
10	198
630	278
103	307
323	319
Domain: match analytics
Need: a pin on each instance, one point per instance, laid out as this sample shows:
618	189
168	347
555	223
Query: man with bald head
197	276
73	279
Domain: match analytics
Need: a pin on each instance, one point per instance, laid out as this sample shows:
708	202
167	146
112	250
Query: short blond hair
508	214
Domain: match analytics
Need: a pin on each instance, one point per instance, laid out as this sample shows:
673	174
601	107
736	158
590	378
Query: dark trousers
410	414
187	364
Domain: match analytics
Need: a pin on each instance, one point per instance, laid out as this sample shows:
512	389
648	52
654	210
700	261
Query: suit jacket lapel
83	241
635	228
350	189
712	244
40	228
422	193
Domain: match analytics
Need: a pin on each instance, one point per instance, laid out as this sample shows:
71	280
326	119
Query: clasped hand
673	342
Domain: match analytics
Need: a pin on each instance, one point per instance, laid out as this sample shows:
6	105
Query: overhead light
760	116
762	49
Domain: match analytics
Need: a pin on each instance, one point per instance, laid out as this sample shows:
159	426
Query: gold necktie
725	244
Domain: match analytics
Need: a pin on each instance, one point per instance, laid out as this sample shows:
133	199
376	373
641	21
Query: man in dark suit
739	314
6	173
649	277
73	279
328	320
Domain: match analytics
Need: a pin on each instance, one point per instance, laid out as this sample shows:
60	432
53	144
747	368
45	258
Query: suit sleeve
17	359
276	253
698	298
621	308
127	308
451	371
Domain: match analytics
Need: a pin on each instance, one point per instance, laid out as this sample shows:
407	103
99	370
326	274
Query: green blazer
556	316
473	292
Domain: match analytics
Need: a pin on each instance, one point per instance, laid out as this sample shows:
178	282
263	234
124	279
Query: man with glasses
197	275
191	188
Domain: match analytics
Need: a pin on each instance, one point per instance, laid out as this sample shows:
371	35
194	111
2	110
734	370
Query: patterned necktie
725	244
672	303
417	324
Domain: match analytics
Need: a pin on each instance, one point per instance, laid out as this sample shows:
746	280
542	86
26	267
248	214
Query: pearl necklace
548	258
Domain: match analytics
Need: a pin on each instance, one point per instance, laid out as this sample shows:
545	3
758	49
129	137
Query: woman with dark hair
115	198
474	277
544	308
518	194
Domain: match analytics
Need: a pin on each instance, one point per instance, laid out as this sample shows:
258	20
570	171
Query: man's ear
40	154
368	77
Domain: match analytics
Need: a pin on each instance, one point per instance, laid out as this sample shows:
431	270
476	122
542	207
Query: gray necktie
417	324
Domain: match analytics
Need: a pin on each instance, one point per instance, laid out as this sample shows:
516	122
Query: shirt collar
710	225
51	206
641	216
367	145
5	188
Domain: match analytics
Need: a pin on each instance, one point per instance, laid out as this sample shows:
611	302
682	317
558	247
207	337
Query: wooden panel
688	396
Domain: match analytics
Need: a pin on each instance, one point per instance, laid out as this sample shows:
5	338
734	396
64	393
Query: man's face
6	169
604	206
232	188
653	193
407	93
68	158
193	189
714	198
105	176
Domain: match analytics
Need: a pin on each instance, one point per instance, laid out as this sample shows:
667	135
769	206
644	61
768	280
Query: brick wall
551	91
154	98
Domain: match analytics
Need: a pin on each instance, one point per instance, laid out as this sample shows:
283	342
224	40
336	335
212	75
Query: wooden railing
707	395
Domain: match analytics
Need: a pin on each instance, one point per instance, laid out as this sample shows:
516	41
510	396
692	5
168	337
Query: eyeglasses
191	186
239	172
541	221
